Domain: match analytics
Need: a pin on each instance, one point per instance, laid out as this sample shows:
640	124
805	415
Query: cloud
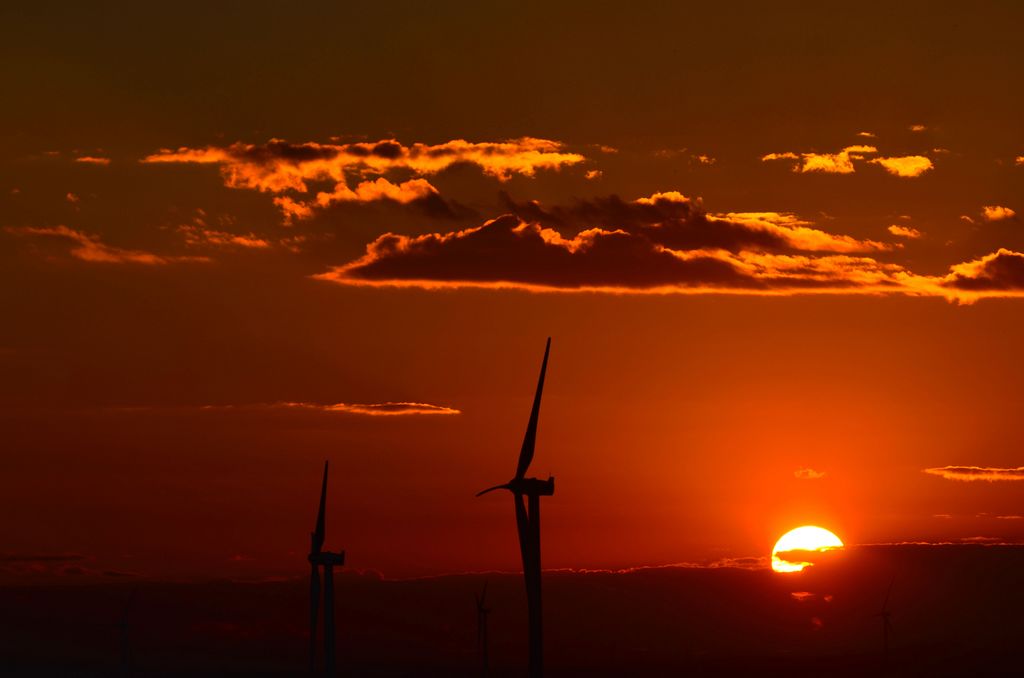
378	409
842	162
665	243
905	166
1000	271
917	128
905	231
281	167
593	174
90	248
830	163
414	191
808	474
386	409
93	160
197	235
72	198
866	135
997	213
674	220
1019	160
975	473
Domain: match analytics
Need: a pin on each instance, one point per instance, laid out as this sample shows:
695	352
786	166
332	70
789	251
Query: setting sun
806	538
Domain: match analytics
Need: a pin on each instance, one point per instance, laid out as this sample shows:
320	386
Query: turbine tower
481	629
318	558
526	494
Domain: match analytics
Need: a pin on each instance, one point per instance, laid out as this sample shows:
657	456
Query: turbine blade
492	489
314	610
483	595
318	533
530	440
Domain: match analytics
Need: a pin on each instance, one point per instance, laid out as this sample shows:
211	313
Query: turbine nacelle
527	486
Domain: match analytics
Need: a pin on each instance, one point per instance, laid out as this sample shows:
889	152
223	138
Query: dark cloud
1000	271
658	244
506	251
665	243
675	223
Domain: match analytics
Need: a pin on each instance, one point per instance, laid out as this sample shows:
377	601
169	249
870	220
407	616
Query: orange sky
761	244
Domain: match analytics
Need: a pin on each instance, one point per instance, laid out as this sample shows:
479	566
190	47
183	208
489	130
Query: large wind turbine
319	558
528	524
481	629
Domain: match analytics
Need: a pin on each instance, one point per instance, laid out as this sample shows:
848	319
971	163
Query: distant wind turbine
481	629
319	558
528	524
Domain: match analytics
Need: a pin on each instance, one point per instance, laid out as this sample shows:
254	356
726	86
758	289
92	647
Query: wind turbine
319	558
481	628
528	524
886	621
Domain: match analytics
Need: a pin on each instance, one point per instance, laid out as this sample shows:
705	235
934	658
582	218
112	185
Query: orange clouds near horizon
997	213
281	167
978	473
88	247
665	244
385	409
905	232
842	162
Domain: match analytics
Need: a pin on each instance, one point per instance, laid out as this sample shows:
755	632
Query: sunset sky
780	256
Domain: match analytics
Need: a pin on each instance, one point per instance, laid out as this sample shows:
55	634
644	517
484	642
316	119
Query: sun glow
806	538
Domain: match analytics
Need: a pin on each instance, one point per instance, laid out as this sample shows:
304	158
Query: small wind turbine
481	628
886	616
319	558
528	524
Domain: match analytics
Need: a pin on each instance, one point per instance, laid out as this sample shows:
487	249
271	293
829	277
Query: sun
806	538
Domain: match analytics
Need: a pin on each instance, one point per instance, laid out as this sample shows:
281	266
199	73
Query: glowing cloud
975	473
378	409
93	160
661	244
997	213
196	235
388	409
905	232
90	248
281	167
905	166
830	163
808	474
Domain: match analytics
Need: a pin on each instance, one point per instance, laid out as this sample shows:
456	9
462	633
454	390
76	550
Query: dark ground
956	610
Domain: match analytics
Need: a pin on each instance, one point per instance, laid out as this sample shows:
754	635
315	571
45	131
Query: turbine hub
533	486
